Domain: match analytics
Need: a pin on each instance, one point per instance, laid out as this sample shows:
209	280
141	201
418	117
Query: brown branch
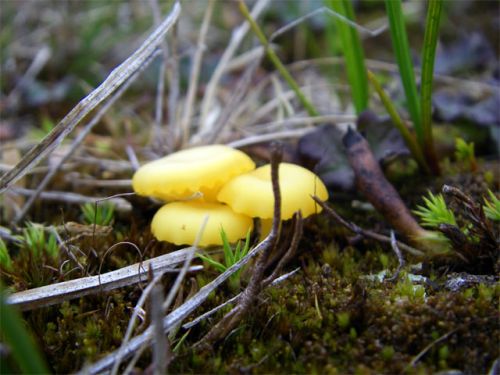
371	182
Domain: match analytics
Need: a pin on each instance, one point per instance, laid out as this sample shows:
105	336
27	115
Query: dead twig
296	133
292	249
231	319
76	180
137	310
173	91
363	232
429	347
156	135
399	255
65	248
331	13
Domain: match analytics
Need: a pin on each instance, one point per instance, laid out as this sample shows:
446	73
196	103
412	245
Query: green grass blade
218	266
237	252
428	57
353	54
403	58
178	346
311	110
21	344
226	247
246	247
408	137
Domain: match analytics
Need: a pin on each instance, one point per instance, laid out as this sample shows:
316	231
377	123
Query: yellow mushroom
183	174
180	222
252	194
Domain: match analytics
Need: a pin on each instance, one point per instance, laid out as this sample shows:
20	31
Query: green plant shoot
18	340
353	54
99	214
492	207
5	259
419	108
428	57
403	59
435	212
464	152
35	239
230	257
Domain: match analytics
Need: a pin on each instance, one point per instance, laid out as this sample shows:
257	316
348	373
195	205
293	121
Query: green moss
327	318
343	319
387	353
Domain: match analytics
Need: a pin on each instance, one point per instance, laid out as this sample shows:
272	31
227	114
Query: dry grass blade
138	307
227	115
161	347
57	293
121	204
296	133
160	89
236	39
195	73
115	79
329	12
78	141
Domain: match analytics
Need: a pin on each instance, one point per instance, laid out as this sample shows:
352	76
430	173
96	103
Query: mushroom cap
182	174
180	222
252	193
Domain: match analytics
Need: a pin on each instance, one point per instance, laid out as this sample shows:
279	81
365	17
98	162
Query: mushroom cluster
220	182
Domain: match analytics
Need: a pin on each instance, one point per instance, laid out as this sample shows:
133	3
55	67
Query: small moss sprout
99	214
38	242
435	212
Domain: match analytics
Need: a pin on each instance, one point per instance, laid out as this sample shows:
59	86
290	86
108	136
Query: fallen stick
371	182
56	293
